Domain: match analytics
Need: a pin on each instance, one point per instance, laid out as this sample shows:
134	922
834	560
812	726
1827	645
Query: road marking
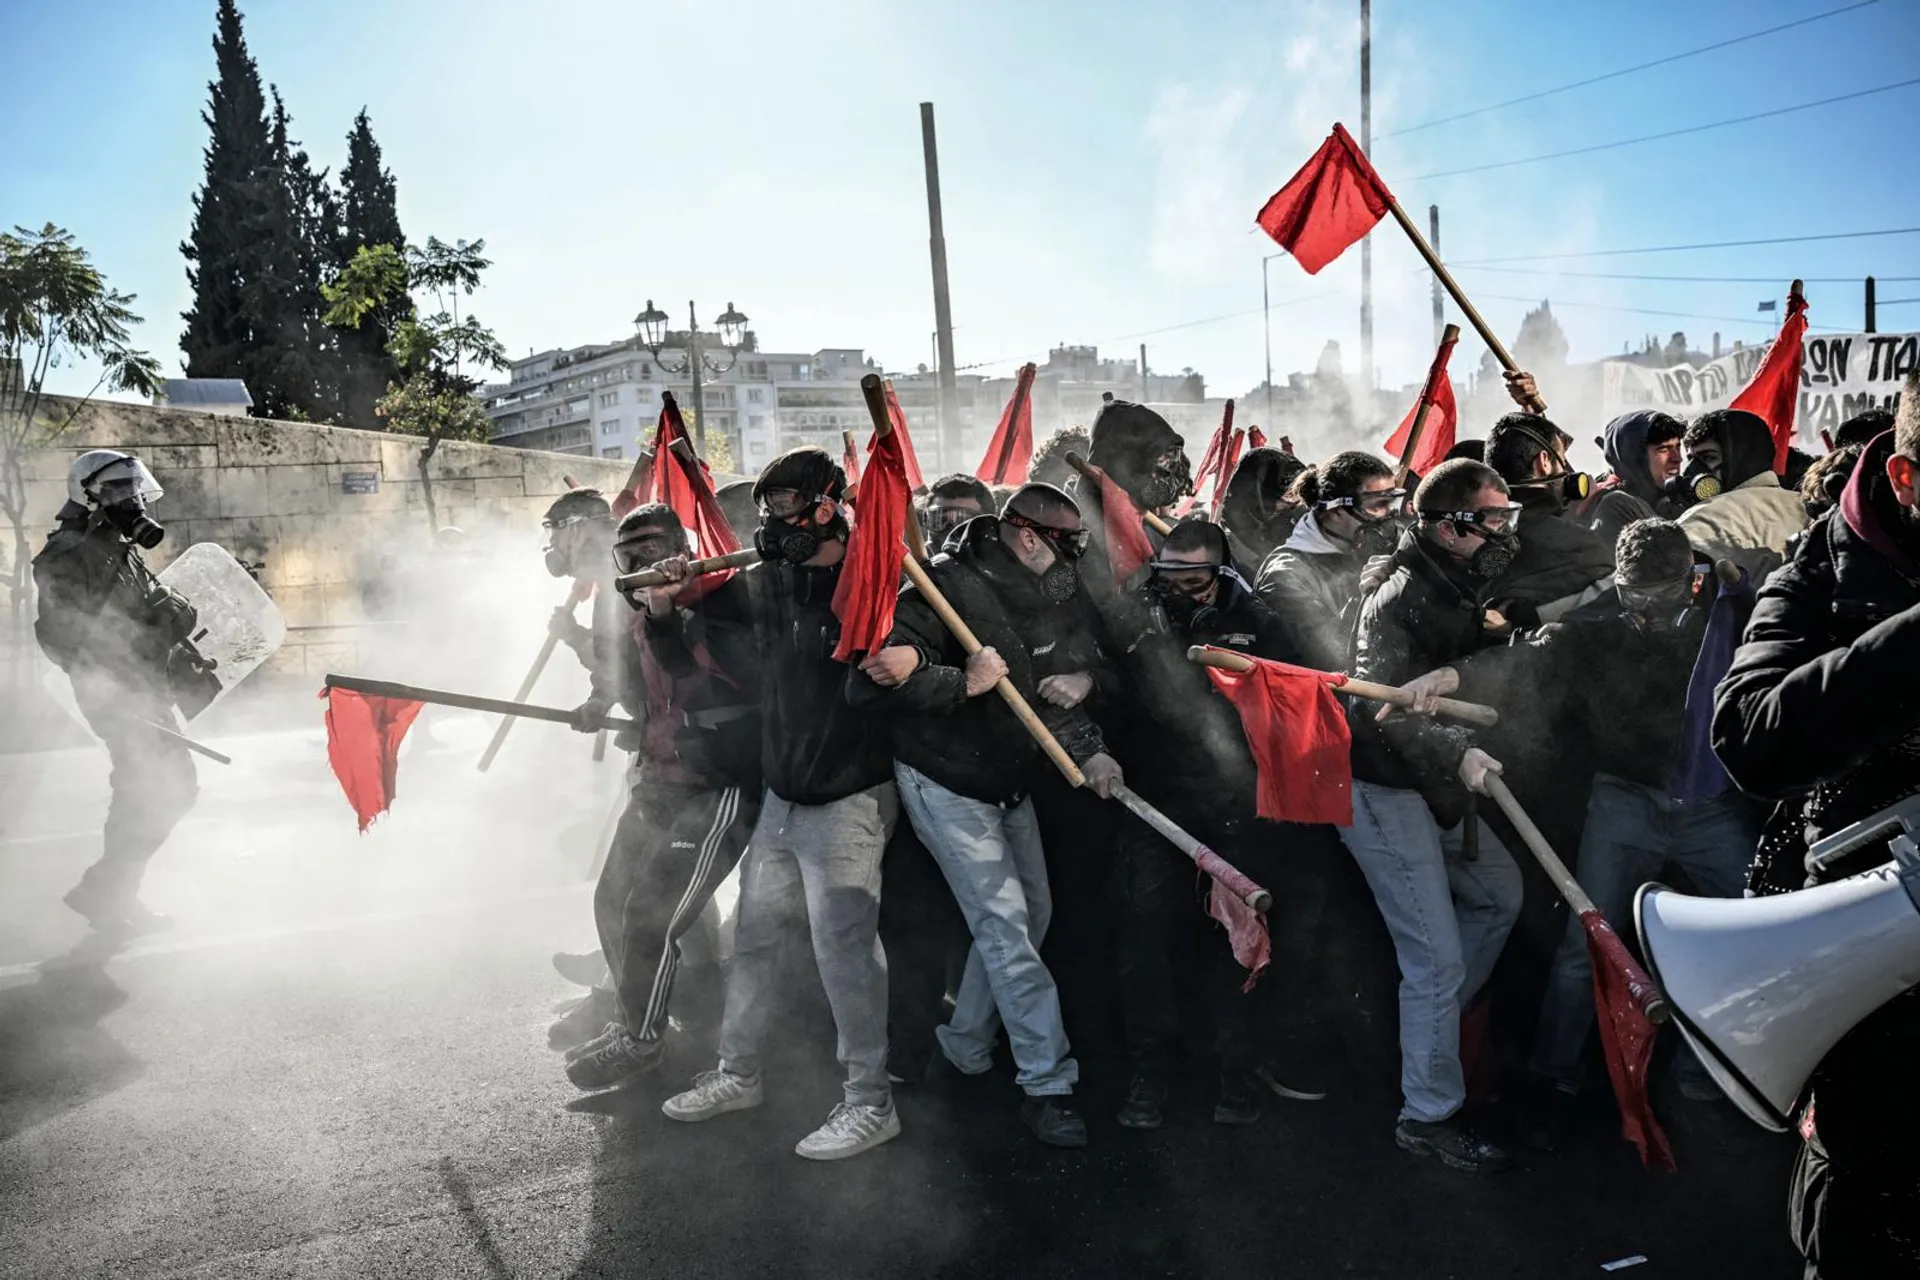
158	948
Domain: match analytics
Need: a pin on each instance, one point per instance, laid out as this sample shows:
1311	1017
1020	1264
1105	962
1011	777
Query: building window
608	399
759	447
754	395
615	452
611	427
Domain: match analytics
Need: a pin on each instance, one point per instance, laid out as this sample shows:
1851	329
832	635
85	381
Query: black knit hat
807	469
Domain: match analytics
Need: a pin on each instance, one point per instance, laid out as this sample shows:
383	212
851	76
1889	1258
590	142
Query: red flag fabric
898	417
1127	544
1246	931
1774	393
1224	476
364	733
1298	733
1256	438
1210	461
1011	450
1326	208
688	488
1437	433
870	577
1626	1037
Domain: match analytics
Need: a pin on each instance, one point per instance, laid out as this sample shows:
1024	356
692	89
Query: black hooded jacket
1428	614
699	715
1634	494
815	748
1259	482
1125	440
975	747
1179	739
1558	564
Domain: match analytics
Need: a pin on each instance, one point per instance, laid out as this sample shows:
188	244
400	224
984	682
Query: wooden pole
712	564
466	702
199	749
1458	294
1473	713
1435	371
581	589
1653	1004
1252	894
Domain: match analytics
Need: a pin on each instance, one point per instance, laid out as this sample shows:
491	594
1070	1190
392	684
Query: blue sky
1102	163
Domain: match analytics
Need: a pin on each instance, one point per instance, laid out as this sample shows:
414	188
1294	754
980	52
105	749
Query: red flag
870	577
1298	733
1626	1037
1774	392
898	417
1246	930
363	746
1127	544
1326	208
1224	476
1210	463
1011	449
1256	438
1443	418
687	487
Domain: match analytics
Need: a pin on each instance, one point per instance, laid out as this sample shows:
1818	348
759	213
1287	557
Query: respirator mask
1379	532
1170	480
1697	482
1498	528
1062	577
129	517
777	538
1179	586
122	491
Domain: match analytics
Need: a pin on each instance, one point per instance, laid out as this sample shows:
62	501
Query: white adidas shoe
849	1130
714	1093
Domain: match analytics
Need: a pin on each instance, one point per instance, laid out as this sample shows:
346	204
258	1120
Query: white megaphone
1762	988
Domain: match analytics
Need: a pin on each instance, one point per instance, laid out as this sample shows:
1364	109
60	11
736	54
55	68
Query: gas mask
1180	600
1697	482
778	538
1061	578
130	519
1499	530
1665	606
1565	487
1170	479
1377	537
1495	555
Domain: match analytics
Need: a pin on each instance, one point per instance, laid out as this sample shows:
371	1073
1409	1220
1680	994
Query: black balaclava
1258	486
1126	442
812	472
1625	446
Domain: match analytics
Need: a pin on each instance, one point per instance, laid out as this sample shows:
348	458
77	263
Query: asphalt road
337	1065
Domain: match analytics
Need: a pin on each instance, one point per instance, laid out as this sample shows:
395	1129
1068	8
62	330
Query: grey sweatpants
818	865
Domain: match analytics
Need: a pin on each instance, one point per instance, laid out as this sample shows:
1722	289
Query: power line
1895	302
1671	133
1613	275
1646	311
1148	333
1681	248
1627	71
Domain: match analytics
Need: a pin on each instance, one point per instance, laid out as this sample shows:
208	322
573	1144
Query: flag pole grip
655	578
1232	878
1651	1002
1459	295
1473	713
465	701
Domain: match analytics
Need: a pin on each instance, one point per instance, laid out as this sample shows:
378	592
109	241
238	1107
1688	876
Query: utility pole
1870	317
942	303
1366	242
1266	315
1143	373
1439	297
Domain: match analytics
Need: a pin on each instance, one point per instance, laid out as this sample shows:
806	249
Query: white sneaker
713	1093
849	1130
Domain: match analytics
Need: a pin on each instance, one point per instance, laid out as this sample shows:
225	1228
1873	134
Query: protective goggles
1071	541
1656	598
1376	503
785	504
1487	520
1175	568
641	551
567	522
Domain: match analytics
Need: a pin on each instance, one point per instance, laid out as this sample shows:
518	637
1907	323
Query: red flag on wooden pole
869	583
898	417
1626	1038
1210	462
1011	450
1439	427
364	733
1774	392
1256	438
1298	734
1327	207
1224	476
1127	544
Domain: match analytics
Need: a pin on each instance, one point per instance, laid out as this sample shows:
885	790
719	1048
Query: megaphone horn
1762	988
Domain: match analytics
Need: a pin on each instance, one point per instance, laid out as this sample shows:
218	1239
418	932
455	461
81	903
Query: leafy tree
368	216
55	307
433	394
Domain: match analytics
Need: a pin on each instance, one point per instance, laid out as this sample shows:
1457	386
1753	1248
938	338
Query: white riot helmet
119	485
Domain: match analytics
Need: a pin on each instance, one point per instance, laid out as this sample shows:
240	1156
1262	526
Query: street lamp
651	327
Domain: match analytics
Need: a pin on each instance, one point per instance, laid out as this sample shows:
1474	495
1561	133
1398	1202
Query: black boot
1054	1121
1238	1102
1145	1107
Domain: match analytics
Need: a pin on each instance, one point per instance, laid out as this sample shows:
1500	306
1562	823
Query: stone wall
322	510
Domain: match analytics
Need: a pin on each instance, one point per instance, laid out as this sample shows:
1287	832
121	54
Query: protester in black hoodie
1259	510
965	767
689	675
1413	782
1147	458
1734	506
1561	564
829	806
1822	701
1313	580
1188	755
1643	448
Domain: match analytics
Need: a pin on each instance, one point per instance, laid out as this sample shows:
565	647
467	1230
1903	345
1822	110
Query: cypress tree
368	215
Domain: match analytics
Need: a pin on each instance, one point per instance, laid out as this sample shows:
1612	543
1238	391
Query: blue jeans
1449	918
1631	832
992	860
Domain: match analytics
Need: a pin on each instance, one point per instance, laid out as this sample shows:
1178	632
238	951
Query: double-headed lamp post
651	325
